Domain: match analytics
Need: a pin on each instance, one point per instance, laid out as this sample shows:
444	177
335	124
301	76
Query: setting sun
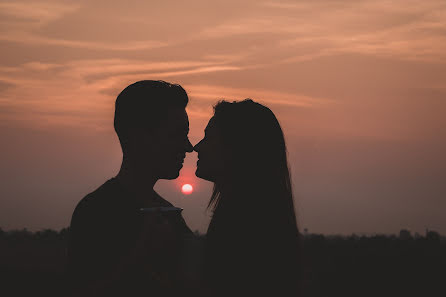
187	189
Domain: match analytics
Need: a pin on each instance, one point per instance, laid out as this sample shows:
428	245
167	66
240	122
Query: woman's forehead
211	124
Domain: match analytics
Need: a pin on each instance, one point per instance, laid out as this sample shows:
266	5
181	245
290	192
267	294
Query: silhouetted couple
126	240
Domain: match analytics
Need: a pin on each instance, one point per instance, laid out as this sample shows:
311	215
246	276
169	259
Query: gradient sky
358	86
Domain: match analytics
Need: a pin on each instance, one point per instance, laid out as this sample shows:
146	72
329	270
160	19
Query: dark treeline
33	263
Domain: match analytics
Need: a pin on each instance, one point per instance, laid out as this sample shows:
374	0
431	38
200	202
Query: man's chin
199	174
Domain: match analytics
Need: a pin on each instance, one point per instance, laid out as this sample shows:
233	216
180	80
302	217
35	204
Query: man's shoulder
162	201
102	197
177	218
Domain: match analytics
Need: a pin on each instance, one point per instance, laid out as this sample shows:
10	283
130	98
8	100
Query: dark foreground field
32	264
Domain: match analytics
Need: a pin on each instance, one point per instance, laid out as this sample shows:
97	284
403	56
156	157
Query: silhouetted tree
405	234
432	236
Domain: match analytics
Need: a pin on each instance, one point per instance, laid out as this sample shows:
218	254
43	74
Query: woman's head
243	147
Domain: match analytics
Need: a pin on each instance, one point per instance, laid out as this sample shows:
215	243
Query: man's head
152	126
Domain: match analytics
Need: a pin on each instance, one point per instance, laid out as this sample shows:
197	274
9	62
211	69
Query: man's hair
145	104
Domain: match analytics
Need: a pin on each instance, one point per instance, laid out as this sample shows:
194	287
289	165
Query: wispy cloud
25	20
106	46
411	30
269	35
54	89
212	93
39	12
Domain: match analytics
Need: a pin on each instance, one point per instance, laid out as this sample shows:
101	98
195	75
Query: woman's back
251	251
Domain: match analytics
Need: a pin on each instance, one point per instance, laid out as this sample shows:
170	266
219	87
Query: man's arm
118	277
94	263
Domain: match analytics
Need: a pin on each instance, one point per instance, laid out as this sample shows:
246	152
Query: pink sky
358	86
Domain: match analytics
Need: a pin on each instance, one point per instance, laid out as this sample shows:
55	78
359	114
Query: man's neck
140	182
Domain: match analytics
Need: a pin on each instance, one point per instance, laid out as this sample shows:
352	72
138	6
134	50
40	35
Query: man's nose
189	146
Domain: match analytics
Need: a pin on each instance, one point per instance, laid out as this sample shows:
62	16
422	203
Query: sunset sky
358	86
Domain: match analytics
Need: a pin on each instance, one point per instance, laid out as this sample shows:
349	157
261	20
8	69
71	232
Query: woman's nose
197	147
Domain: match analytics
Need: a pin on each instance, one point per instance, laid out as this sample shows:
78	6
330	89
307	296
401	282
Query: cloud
4	85
24	22
135	69
106	46
404	30
212	93
243	45
84	88
39	12
410	30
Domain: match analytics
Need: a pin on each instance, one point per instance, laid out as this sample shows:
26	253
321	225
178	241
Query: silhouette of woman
252	241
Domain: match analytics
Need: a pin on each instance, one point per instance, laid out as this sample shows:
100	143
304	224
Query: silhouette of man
114	249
